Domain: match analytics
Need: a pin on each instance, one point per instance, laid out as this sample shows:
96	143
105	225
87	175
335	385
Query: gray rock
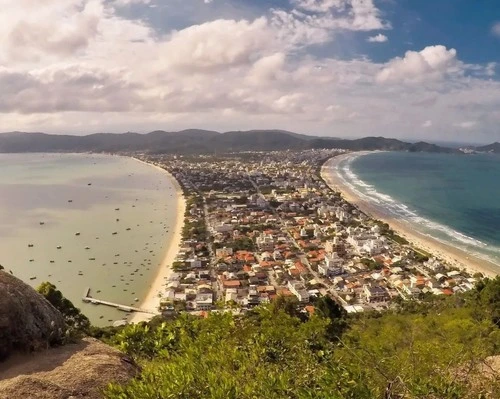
28	322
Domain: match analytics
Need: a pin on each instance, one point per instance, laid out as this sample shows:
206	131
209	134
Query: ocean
85	221
452	198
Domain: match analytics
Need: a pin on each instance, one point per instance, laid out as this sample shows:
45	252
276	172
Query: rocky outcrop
80	370
28	322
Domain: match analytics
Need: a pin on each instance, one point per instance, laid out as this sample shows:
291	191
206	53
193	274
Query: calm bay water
454	198
46	199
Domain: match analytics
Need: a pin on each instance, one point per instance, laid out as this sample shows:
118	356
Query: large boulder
79	370
28	322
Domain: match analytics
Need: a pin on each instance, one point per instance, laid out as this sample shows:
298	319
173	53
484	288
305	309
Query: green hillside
428	350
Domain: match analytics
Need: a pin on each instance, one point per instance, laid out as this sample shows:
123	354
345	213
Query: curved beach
152	298
450	254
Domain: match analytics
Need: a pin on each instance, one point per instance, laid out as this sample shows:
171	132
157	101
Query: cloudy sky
401	68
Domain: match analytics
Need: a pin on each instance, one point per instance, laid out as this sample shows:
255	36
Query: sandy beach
152	299
450	254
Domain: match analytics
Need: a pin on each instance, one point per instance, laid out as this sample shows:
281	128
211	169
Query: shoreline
151	301
453	256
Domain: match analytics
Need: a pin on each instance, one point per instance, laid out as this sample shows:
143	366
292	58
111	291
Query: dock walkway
126	308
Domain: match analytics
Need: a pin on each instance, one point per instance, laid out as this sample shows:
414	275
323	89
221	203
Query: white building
298	289
332	266
204	302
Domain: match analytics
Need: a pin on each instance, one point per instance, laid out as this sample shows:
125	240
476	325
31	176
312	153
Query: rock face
80	370
28	322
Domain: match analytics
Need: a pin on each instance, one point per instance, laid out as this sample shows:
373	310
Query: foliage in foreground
432	351
73	317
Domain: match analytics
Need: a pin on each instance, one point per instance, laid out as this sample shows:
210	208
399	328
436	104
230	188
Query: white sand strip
152	299
450	254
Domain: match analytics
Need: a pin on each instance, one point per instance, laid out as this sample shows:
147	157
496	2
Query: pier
125	308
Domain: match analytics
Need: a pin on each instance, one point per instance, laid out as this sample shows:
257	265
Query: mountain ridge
200	141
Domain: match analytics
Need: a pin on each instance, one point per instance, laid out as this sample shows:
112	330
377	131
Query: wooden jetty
125	308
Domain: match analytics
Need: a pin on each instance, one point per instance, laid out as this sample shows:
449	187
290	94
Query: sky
420	69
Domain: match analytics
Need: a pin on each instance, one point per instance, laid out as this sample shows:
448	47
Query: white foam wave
403	212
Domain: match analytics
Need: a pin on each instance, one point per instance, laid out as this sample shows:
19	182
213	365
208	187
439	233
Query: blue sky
401	68
462	24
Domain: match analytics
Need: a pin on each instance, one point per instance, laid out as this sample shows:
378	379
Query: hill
437	349
493	148
198	141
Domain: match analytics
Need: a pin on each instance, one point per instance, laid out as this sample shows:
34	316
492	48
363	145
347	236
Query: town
263	225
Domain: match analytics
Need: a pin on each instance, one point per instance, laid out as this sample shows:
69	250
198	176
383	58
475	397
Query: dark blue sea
453	198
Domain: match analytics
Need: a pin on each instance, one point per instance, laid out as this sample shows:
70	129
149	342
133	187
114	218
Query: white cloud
121	3
466	124
94	68
218	44
495	29
267	68
380	38
347	14
431	63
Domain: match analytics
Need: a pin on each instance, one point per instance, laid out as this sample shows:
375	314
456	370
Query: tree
328	308
72	315
487	297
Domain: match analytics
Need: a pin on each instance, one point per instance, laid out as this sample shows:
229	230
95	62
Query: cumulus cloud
380	38
96	68
431	63
71	88
267	68
218	44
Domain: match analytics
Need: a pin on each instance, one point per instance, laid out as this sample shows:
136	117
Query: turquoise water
453	198
46	199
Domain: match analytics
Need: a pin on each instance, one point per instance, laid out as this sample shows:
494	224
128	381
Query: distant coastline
152	299
455	257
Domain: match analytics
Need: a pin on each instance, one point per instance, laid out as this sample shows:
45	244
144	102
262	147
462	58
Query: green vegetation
398	239
76	320
420	255
242	244
194	228
388	232
371	264
428	350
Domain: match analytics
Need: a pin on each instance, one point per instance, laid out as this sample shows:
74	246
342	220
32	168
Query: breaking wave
390	207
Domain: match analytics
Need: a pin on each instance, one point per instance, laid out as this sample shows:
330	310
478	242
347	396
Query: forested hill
494	148
199	141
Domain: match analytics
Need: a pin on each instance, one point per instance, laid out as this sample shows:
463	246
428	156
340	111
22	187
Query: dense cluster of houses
266	224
